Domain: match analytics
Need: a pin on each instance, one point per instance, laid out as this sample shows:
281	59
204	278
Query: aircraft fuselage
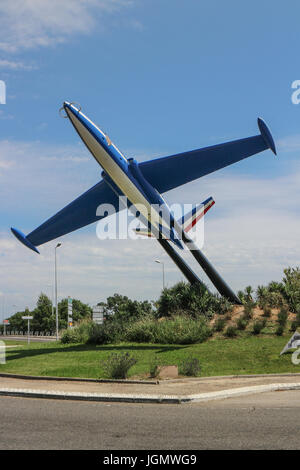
125	178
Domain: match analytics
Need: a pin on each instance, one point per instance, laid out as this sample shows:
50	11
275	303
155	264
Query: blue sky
159	77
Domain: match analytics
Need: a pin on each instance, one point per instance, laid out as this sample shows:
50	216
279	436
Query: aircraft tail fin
187	221
192	217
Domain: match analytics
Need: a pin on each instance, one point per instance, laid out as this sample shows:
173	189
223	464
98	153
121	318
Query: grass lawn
13	342
218	356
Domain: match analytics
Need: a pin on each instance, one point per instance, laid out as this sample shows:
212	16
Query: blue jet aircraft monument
143	184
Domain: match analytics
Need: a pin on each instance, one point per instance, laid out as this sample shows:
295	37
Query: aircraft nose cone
73	107
70	108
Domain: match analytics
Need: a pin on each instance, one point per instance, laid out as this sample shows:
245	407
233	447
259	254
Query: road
25	338
262	421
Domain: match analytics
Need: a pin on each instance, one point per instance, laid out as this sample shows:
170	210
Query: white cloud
289	144
28	24
15	65
43	178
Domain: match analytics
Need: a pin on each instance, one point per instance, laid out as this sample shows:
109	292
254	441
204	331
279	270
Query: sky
160	77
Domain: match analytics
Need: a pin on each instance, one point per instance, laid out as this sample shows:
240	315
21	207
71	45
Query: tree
16	323
80	311
291	283
43	320
120	307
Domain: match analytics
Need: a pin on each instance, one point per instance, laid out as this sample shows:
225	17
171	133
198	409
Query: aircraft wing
167	173
80	212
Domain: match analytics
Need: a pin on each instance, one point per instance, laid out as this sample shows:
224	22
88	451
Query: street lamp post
16	306
163	270
52	299
56	308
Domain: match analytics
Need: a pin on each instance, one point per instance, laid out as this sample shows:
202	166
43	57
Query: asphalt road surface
262	421
39	339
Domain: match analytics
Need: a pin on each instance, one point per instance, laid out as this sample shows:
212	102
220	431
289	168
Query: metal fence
25	333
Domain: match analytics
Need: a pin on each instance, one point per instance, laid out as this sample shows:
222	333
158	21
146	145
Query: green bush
279	330
219	324
142	331
282	316
77	334
257	327
192	300
267	311
118	364
248	308
190	367
111	331
231	331
294	325
241	323
176	330
274	299
181	330
261	295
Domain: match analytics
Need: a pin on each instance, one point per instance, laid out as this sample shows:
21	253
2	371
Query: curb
235	392
242	376
103	397
78	379
164	399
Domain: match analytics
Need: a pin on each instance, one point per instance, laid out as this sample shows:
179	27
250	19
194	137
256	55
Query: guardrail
25	333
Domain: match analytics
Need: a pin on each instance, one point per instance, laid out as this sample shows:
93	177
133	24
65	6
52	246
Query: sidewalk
166	391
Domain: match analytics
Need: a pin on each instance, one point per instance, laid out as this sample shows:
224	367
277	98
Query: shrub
78	334
193	300
242	323
181	330
190	367
279	330
219	324
246	295
267	312
176	330
282	316
294	325
142	331
111	331
257	327
221	305
231	331
118	364
261	295
274	299
248	308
